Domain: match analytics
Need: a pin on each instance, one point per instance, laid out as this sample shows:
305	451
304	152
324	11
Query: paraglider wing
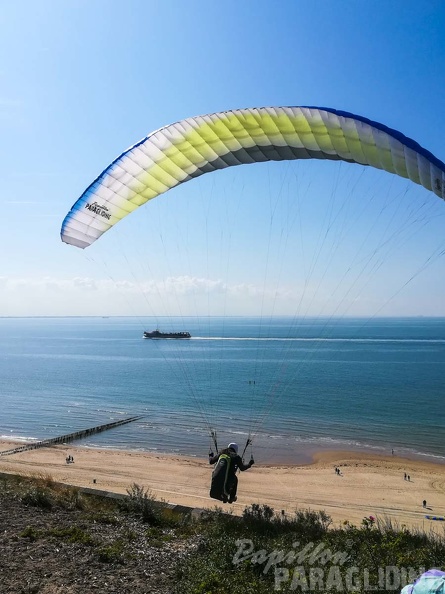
432	581
194	146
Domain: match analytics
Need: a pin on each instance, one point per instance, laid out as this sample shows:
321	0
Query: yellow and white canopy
194	146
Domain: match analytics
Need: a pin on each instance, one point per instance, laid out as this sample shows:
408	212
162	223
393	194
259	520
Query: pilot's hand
252	462
211	455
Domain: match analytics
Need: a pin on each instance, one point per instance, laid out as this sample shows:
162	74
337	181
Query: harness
228	461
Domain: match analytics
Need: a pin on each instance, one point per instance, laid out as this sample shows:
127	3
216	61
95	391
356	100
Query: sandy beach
367	485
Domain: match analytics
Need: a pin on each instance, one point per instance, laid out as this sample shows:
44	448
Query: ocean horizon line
229	316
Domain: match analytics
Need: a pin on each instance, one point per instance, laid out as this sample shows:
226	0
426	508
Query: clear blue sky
81	81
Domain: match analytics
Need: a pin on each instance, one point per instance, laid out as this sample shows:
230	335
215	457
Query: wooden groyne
62	439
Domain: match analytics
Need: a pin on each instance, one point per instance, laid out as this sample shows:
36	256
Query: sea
292	387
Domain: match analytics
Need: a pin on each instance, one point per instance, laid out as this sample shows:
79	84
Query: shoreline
368	484
293	454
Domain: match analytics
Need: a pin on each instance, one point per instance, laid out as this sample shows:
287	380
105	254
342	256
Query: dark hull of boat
156	334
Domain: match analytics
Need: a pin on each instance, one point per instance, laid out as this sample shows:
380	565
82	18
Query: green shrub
104	518
260	513
38	496
31	533
73	534
142	503
112	553
305	541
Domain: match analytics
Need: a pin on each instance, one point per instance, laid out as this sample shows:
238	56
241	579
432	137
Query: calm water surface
298	386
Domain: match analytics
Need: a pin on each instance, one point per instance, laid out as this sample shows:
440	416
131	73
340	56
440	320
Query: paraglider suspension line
248	443
214	439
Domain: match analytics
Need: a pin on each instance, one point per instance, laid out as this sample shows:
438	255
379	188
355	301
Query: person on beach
224	480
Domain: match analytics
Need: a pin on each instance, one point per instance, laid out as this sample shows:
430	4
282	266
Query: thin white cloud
182	295
171	286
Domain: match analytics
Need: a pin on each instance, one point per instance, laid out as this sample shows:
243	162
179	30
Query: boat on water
159	334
